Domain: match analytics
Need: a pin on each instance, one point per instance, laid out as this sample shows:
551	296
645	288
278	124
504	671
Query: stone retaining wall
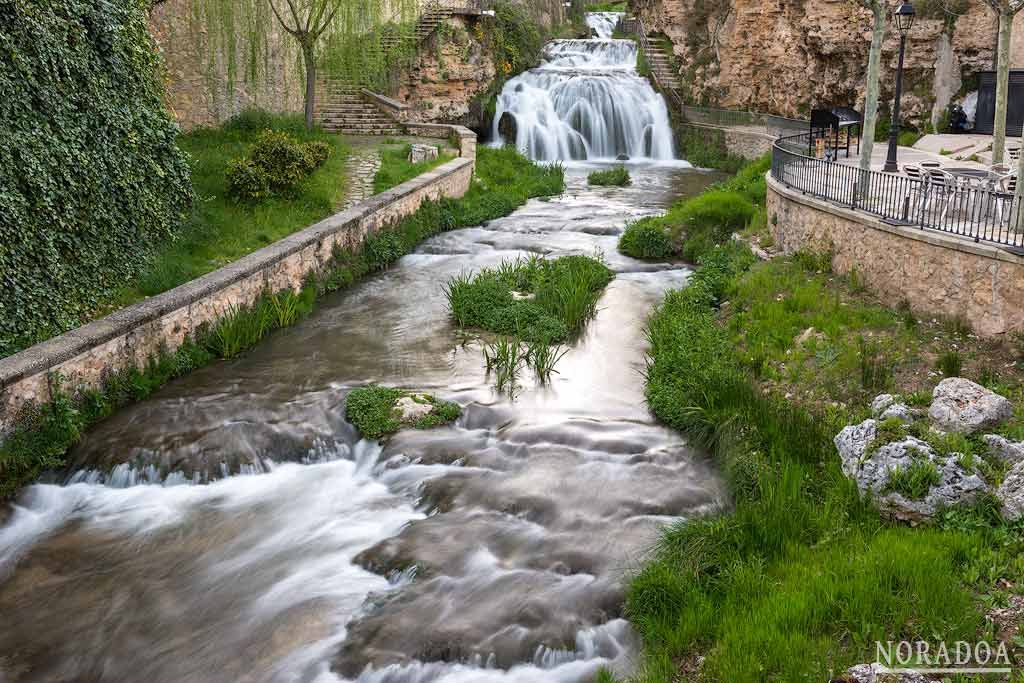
748	143
86	356
936	272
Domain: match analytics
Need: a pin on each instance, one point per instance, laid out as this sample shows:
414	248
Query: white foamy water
586	101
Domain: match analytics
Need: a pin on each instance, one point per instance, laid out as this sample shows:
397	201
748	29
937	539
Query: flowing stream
233	527
586	101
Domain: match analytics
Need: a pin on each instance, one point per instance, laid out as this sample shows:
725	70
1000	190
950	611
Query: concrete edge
64	347
934	237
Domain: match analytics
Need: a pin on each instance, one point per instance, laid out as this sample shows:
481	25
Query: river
233	527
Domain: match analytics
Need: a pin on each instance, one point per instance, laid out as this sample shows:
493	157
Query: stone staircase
661	68
341	108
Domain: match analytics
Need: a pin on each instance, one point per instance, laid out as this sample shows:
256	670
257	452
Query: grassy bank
800	577
395	167
504	180
222	230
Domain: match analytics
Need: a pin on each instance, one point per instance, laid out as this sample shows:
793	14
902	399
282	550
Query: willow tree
880	14
1005	10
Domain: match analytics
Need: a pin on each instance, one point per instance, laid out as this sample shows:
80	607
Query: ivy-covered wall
90	177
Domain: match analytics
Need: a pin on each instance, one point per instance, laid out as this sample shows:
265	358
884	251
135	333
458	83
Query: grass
556	297
606	7
694	225
617	176
914	481
221	230
44	433
372	410
395	167
800	576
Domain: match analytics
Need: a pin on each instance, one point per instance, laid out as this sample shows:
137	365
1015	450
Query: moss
372	410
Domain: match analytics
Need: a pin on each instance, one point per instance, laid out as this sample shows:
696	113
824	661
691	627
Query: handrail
979	210
641	33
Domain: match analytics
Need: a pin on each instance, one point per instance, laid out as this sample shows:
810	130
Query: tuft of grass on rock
617	176
372	410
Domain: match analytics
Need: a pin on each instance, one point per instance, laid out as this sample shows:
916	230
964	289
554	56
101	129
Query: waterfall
585	101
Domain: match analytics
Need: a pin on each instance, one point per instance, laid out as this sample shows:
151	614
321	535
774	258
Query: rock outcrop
960	405
788	57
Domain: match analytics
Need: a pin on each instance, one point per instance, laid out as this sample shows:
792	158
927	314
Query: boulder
900	411
877	673
622	157
872	470
1011	493
508	127
881	402
418	153
960	405
412	409
1010	452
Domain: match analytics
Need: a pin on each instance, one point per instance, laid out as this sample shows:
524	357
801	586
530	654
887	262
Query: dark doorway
985	117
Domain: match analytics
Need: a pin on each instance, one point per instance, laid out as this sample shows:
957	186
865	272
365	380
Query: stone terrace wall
935	272
201	91
85	357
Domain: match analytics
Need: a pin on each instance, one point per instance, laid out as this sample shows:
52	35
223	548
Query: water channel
233	527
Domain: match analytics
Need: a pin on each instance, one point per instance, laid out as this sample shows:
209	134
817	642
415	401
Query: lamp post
904	18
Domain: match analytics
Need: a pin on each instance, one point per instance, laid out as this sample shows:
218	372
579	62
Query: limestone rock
418	153
881	402
1011	493
900	411
1008	451
877	673
872	472
412	409
960	405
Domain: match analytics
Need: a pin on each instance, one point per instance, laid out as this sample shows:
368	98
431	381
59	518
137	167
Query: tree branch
280	19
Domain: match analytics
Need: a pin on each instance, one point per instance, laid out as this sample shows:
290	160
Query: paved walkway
364	161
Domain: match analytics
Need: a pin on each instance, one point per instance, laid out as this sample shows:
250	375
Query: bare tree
307	20
880	14
1005	10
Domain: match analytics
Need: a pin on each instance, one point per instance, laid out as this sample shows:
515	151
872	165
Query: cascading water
586	101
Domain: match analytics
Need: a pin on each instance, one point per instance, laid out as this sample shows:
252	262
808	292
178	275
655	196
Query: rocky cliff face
789	56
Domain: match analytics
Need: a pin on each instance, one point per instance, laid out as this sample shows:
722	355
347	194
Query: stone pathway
360	168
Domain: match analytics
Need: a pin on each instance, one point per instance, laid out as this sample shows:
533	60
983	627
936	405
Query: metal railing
636	26
976	211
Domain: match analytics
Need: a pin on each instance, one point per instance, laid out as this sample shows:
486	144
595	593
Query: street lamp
904	18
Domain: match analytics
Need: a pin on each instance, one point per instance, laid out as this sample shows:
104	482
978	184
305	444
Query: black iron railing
975	208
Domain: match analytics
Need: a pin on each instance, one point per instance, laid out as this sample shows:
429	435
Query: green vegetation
373	411
221	229
505	180
533	298
276	165
606	7
646	238
705	148
618	176
92	180
691	227
800	577
395	167
914	481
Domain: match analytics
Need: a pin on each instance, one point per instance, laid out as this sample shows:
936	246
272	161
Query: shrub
618	176
316	153
282	158
92	180
247	182
646	238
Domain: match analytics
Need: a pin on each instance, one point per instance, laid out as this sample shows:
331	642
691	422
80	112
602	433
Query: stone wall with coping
747	143
86	356
935	272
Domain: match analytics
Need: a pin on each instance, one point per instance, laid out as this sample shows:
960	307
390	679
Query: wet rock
507	127
1011	493
413	409
419	152
622	157
872	467
960	405
1010	452
876	673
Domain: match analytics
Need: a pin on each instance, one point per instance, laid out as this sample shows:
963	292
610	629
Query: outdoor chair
917	190
942	190
1004	195
999	169
1014	153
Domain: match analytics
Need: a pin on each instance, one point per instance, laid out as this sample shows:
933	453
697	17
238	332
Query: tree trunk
1002	86
307	58
867	138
